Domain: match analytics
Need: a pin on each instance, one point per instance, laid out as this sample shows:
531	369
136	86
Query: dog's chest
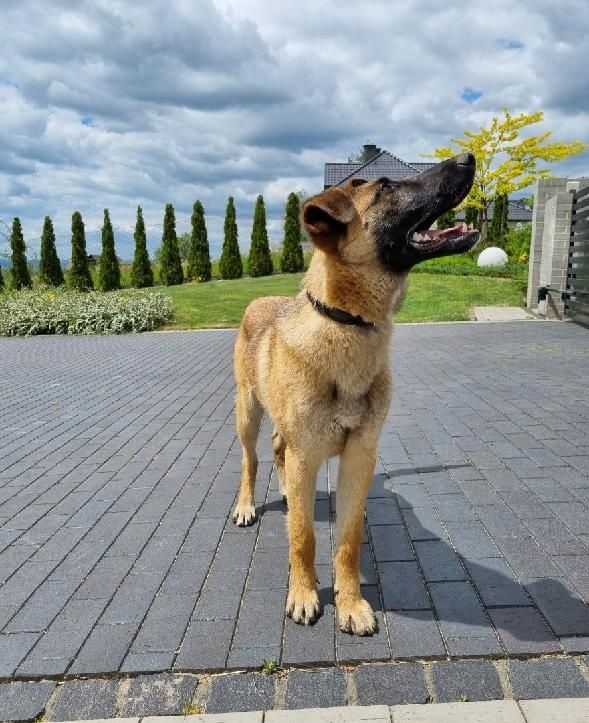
347	411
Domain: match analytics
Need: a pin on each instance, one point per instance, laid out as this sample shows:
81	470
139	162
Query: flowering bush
46	310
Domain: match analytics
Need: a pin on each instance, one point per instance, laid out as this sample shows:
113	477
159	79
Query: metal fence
577	293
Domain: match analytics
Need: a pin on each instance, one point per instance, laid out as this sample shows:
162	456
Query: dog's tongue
433	234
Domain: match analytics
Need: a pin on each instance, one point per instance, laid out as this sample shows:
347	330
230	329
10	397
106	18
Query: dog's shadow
467	589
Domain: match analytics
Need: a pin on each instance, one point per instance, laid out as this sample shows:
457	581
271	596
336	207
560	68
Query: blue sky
111	103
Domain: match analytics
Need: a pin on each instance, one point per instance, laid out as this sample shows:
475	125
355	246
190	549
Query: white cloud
111	103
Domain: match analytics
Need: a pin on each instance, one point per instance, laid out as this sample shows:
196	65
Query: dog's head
391	219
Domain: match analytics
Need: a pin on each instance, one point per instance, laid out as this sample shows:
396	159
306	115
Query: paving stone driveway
119	467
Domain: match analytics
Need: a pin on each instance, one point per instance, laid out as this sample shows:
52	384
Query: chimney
370	150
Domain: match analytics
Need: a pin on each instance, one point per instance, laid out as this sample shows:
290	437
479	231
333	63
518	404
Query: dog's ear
326	216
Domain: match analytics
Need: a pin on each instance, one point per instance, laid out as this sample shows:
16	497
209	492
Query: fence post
549	251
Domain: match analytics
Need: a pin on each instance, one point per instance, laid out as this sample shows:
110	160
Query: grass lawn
431	297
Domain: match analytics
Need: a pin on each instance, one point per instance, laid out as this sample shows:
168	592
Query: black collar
339	314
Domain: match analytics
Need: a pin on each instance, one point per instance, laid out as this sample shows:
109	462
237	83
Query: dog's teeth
417	237
464	227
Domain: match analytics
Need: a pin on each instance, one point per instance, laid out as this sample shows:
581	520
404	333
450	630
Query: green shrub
47	310
79	277
109	273
141	272
447	220
199	259
518	240
171	271
230	263
259	260
292	260
50	271
20	279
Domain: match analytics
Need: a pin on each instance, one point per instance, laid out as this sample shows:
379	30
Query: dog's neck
370	295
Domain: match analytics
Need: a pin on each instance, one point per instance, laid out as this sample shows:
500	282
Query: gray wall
551	233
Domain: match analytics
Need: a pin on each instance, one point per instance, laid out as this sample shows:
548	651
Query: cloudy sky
111	103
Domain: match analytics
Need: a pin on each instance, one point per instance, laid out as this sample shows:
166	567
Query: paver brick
246	692
473	680
546	678
24	700
85	699
316	688
390	684
162	694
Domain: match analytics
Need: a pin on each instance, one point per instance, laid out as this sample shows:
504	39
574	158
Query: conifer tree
1	280
259	260
447	220
199	259
171	271
292	259
141	271
79	274
230	263
50	271
21	278
498	225
109	273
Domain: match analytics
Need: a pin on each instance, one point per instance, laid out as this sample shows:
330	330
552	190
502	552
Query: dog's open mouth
456	238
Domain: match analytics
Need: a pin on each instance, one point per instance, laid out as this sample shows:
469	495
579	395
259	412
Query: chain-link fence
125	243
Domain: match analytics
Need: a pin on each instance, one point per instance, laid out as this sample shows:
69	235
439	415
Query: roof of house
384	164
518	211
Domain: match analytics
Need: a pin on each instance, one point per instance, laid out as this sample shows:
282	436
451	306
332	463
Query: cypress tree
230	264
447	220
1	280
199	259
109	273
141	271
49	266
259	260
471	215
292	259
79	275
20	270
499	222
171	271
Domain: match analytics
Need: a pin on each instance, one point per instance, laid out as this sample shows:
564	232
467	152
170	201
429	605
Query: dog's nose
465	159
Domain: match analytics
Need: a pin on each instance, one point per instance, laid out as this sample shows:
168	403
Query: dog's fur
326	385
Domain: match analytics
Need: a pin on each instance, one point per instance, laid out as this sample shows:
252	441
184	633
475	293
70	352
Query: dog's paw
244	515
302	605
355	616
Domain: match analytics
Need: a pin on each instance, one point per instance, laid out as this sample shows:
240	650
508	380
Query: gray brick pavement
119	467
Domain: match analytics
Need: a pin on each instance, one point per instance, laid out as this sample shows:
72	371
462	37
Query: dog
318	363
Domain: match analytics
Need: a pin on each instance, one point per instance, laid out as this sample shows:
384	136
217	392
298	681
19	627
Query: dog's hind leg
279	447
249	416
356	470
302	604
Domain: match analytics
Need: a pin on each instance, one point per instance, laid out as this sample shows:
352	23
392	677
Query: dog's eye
358	182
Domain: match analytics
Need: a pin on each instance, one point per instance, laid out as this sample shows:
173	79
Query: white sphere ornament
492	256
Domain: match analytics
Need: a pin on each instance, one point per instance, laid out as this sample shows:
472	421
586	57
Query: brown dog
318	364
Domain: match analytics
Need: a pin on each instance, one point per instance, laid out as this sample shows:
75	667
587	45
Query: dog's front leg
302	604
357	463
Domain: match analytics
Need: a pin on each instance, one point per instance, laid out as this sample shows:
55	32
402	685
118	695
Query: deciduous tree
505	161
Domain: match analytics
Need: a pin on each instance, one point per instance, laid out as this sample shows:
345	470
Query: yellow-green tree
506	162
